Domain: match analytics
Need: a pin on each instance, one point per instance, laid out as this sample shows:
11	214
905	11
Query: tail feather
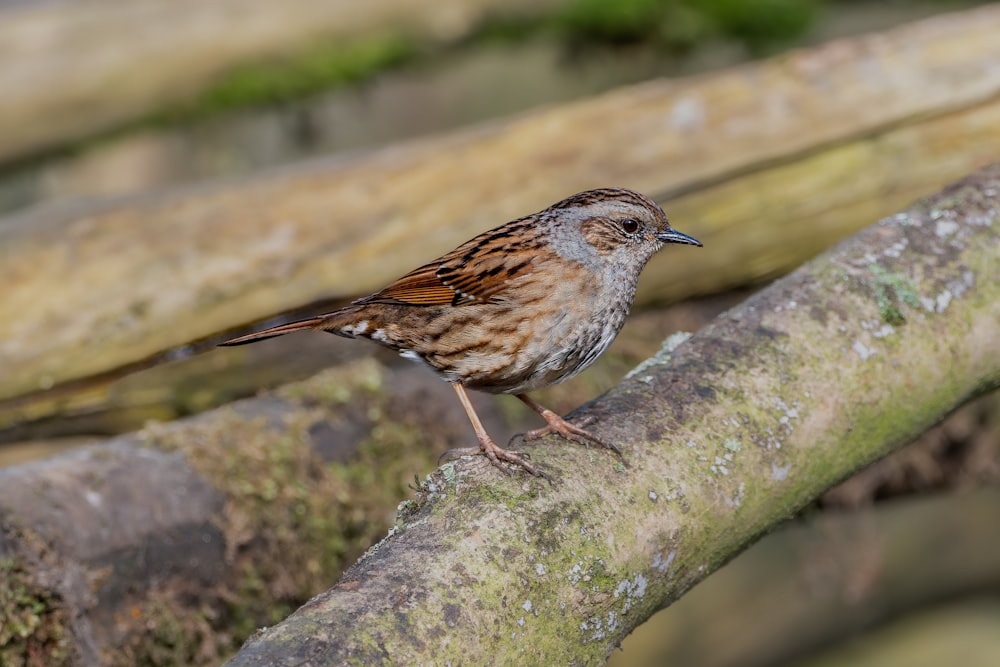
280	330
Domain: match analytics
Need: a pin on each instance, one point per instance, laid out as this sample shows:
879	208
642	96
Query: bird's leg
493	452
557	424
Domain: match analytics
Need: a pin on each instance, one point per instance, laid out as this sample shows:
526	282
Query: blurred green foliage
670	26
32	625
680	25
674	25
763	24
323	66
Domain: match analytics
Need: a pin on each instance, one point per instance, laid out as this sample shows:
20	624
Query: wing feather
420	287
477	271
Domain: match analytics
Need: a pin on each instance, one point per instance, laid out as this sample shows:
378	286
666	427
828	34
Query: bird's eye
630	226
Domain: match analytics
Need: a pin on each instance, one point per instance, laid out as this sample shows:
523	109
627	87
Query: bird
523	306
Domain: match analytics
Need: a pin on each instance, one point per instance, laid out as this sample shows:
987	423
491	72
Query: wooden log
727	434
168	545
71	70
805	147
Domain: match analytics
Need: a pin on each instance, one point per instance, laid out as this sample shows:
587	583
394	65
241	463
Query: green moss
488	491
892	290
33	630
175	632
324	66
283	529
335	386
760	24
668	25
293	522
624	21
682	24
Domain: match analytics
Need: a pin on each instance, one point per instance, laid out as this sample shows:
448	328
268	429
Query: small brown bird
523	306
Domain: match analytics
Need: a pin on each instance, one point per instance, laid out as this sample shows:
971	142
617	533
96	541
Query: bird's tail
280	330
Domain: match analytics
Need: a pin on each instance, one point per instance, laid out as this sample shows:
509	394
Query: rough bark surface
727	434
825	141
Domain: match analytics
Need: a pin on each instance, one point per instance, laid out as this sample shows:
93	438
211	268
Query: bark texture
727	434
170	545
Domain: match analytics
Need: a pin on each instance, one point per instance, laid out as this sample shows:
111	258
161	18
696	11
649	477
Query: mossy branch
727	434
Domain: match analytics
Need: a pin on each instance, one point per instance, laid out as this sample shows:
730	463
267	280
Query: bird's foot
498	456
557	424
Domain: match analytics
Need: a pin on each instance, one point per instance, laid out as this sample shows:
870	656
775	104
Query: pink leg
493	452
557	424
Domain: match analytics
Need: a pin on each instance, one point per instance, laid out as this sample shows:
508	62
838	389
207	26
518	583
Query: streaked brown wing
420	287
475	272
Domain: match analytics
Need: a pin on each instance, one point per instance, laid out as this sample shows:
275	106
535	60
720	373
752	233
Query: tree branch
729	433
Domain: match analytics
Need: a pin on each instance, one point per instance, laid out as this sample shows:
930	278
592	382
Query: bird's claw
501	458
574	433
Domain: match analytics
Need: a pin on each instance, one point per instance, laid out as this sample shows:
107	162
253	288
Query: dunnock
523	306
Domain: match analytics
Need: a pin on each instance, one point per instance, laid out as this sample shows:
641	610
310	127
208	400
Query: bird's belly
532	356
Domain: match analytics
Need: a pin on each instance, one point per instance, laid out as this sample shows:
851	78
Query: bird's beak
670	235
